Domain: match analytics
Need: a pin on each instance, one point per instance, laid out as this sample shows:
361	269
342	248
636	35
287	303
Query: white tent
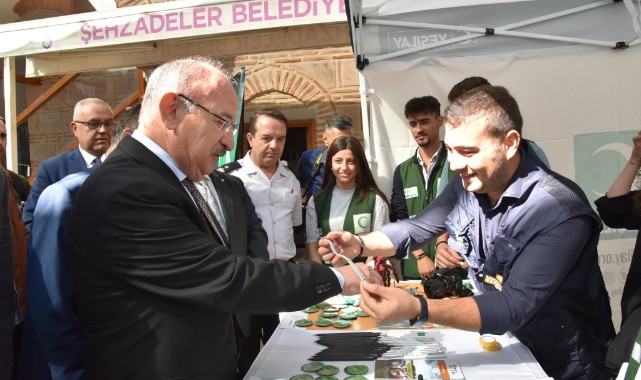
573	66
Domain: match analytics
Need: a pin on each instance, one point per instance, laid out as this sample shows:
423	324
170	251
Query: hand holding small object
349	261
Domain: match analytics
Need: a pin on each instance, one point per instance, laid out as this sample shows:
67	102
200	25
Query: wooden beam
24	80
134	98
142	82
130	101
44	98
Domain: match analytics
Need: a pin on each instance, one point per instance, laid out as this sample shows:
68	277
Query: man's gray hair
179	76
78	107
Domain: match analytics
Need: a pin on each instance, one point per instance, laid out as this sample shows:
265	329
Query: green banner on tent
239	86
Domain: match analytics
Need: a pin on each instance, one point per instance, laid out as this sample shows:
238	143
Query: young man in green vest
419	179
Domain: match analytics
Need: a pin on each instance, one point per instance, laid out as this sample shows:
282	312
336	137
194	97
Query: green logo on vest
362	223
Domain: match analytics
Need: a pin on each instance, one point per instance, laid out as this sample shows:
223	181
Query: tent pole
10	112
365	116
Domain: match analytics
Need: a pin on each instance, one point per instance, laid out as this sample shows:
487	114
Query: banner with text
81	31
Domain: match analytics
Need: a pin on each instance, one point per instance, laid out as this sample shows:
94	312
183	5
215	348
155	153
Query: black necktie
204	209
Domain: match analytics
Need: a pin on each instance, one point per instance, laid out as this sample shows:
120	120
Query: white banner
95	29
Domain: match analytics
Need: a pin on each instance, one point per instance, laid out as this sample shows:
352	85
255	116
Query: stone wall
323	81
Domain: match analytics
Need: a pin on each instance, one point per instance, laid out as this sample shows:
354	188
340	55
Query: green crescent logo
360	222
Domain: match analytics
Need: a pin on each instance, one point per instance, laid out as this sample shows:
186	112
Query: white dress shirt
88	157
278	204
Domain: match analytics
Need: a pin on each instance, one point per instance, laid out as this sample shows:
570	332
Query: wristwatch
422	317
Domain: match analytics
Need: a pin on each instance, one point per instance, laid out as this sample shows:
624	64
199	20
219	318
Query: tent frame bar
481	32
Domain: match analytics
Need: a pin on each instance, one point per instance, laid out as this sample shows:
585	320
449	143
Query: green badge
329	314
350	301
303	376
322	322
361	313
356	377
327	378
342	324
331	309
323	305
312	366
348	316
303	323
311	309
328	370
356	369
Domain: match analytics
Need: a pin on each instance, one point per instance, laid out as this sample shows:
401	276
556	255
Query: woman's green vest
358	216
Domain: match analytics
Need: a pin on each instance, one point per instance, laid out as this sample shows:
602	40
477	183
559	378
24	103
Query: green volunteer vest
357	212
417	198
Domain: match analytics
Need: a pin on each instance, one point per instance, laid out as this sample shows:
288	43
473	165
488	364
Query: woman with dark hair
621	208
348	198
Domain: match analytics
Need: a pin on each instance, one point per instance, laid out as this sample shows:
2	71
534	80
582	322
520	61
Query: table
290	347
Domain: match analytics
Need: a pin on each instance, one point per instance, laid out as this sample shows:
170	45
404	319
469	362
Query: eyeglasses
95	124
225	125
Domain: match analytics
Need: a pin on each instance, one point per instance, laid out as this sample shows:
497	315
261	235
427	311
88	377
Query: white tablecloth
289	348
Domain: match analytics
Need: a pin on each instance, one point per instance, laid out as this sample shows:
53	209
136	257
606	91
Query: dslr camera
445	282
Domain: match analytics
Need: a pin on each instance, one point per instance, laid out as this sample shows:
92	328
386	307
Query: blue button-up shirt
533	256
306	165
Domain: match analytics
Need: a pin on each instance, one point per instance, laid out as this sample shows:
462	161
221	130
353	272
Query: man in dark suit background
155	281
50	297
93	125
21	185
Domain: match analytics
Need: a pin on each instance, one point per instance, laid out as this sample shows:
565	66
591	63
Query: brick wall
322	81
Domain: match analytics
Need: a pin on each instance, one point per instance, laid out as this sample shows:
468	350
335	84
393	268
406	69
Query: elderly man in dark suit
93	125
155	281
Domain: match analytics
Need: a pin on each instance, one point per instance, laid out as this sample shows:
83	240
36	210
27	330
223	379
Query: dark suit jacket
155	291
21	187
246	233
7	295
51	171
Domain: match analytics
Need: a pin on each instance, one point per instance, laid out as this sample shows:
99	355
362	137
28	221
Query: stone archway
294	82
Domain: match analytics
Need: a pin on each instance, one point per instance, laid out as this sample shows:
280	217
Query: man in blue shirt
528	234
311	162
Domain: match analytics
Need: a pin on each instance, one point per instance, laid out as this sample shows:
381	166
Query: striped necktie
206	211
